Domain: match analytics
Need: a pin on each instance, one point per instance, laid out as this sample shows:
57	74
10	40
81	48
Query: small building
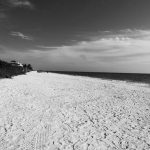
16	63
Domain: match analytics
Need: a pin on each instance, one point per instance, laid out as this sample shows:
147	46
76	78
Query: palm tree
29	67
25	68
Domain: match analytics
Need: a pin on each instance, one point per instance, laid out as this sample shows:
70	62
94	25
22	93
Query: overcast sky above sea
77	35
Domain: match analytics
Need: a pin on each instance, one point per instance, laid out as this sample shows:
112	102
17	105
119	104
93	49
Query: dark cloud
2	15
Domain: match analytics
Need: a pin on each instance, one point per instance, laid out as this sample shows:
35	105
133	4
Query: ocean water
130	77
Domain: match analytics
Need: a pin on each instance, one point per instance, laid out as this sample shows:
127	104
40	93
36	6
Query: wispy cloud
21	3
7	5
48	47
21	35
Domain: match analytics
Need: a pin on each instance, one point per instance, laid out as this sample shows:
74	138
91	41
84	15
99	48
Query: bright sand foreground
48	111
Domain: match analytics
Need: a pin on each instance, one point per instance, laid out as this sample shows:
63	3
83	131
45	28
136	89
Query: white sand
48	111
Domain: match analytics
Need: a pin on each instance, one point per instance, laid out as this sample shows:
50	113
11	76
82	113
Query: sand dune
48	111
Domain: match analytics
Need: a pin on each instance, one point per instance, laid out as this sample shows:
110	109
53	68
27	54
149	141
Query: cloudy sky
77	35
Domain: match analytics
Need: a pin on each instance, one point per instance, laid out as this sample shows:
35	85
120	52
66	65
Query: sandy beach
49	111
